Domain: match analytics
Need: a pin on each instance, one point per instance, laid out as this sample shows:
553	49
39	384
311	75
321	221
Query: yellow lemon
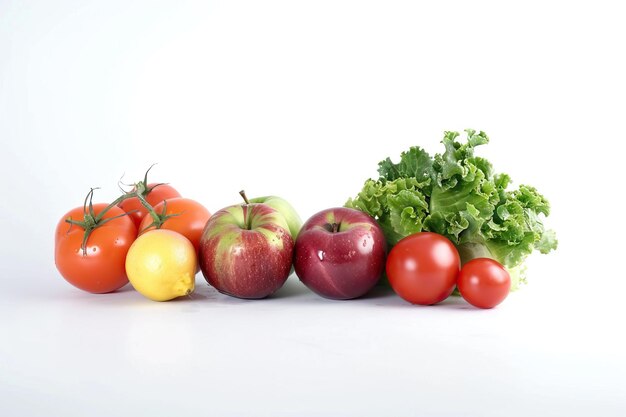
161	265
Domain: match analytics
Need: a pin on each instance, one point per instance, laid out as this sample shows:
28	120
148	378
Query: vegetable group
458	195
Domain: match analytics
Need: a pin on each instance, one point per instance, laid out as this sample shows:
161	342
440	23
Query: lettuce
457	194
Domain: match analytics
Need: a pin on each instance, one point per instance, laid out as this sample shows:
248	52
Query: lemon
161	265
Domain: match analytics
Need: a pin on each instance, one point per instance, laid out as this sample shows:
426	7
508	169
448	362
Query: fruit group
484	283
246	250
423	268
340	253
161	265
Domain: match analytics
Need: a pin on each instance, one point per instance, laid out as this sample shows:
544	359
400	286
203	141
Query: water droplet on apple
320	255
367	245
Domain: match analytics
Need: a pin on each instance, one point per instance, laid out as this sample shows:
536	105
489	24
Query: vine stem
91	221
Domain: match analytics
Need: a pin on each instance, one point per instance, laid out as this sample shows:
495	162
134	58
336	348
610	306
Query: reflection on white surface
156	341
305	354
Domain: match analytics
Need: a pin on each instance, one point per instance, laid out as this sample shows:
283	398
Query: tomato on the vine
423	268
154	194
484	283
94	261
182	215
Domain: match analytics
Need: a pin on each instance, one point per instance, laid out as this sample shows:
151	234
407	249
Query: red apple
340	253
246	250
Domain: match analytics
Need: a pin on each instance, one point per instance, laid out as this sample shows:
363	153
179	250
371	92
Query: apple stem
242	193
335	227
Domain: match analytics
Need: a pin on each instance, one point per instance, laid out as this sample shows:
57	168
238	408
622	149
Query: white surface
302	100
66	353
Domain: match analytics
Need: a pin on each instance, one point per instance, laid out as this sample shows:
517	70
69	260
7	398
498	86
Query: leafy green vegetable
457	194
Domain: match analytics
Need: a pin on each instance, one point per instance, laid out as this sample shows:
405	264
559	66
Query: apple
246	250
340	253
284	208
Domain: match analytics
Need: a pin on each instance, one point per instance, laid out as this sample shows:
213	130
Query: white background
301	100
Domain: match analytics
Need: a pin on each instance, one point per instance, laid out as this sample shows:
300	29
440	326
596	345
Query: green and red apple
246	250
283	207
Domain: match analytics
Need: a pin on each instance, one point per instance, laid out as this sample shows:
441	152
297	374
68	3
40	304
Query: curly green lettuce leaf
399	206
466	195
518	276
407	211
451	166
415	163
548	242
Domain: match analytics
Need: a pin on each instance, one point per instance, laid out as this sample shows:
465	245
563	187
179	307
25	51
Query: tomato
423	268
189	221
154	195
101	268
484	283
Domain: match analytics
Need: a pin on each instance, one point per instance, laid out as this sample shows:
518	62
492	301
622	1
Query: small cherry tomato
423	268
484	283
99	266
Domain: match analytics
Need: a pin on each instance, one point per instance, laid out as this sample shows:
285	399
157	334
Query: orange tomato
101	268
190	219
157	193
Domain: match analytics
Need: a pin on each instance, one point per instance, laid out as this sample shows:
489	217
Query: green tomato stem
155	217
91	221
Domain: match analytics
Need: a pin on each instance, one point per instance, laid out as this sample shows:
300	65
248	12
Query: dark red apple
340	253
246	250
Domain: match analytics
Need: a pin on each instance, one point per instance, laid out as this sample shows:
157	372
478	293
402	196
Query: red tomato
157	193
484	283
192	216
423	268
101	268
